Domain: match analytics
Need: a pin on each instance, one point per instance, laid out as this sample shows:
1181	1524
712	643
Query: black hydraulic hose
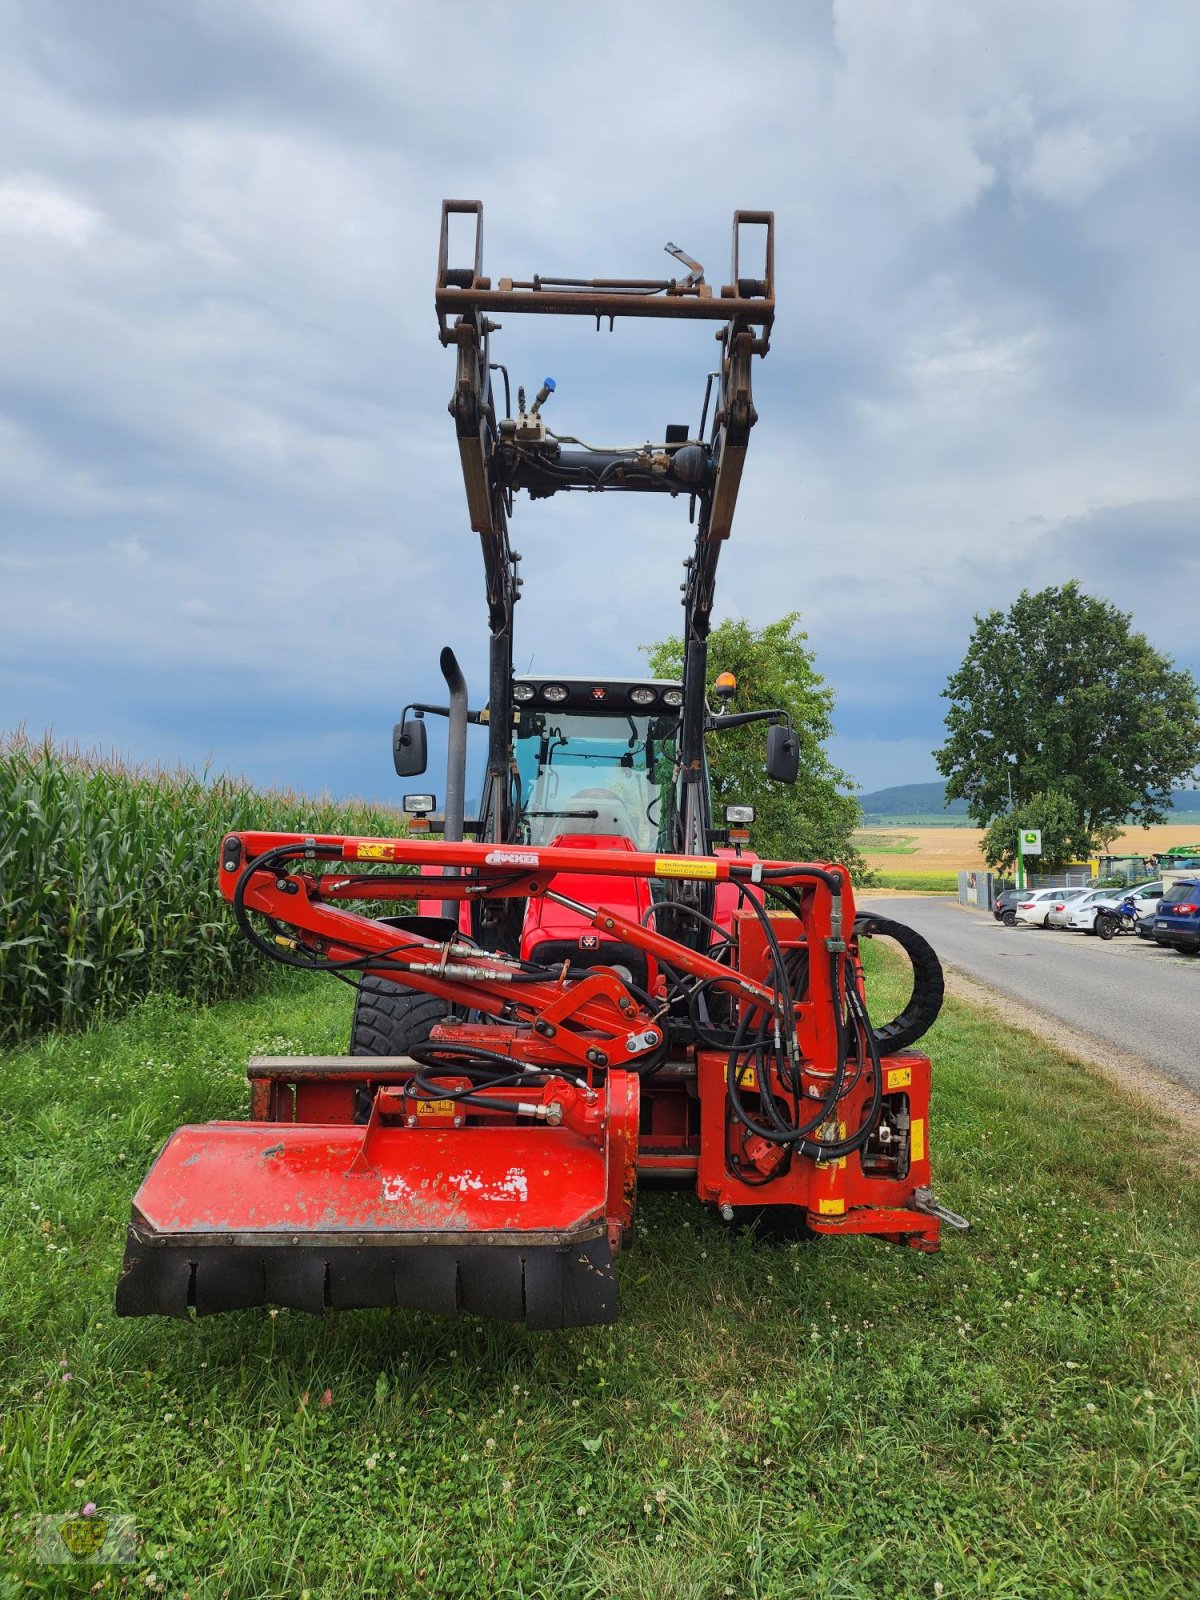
464	1058
834	1150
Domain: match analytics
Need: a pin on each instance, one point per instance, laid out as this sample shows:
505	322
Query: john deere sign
1031	841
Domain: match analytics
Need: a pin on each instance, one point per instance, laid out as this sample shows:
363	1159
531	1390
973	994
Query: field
1016	1417
941	849
108	886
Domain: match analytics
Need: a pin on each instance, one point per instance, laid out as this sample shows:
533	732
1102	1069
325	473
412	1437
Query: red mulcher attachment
493	1171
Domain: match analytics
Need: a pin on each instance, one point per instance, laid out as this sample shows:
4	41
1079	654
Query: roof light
672	697
523	691
555	692
643	697
726	686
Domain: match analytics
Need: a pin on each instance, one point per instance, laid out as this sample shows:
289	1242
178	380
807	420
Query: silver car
1061	906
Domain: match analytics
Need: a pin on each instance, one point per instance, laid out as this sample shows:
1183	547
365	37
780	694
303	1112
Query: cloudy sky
232	525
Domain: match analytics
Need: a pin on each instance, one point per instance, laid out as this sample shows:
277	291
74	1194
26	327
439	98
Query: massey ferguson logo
599	694
589	941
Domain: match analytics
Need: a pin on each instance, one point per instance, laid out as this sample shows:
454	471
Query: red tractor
601	983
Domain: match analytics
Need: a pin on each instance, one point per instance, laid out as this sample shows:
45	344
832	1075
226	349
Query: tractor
601	983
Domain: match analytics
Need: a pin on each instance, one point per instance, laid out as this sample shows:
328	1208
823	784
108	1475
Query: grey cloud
223	445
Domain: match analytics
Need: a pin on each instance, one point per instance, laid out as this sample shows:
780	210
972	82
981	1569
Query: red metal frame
687	1126
349	1163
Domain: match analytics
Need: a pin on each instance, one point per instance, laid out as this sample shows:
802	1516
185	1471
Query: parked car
1034	909
1145	897
1081	913
1060	906
1177	920
1005	907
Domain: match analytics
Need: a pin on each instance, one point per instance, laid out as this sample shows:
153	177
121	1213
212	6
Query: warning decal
674	867
374	850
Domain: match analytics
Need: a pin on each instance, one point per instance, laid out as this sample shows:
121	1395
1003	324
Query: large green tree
811	820
1059	695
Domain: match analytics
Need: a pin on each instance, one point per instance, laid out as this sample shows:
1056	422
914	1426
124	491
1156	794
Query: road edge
1136	1077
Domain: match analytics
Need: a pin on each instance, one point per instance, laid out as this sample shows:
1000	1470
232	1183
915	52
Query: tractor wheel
1009	919
929	984
389	1020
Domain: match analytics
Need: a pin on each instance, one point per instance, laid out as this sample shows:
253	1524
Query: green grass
926	882
1016	1417
108	882
884	844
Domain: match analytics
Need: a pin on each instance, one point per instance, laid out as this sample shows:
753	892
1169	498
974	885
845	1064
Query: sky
232	523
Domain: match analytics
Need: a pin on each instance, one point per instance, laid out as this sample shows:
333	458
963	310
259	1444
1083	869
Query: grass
108	882
925	882
885	844
1016	1417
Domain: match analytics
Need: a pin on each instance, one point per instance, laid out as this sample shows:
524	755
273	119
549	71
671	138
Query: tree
811	820
1056	816
1059	695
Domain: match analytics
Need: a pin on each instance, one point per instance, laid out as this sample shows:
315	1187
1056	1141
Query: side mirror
783	754
410	747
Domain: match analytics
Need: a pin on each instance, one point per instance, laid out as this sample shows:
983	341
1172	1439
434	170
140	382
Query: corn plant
108	882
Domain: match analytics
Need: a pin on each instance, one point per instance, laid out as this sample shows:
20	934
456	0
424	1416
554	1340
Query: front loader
601	983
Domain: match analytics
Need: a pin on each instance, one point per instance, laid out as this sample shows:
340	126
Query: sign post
1030	842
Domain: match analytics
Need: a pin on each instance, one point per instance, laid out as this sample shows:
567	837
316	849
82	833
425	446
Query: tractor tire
929	983
1009	919
389	1020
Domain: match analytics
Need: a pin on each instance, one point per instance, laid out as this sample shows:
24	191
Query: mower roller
600	986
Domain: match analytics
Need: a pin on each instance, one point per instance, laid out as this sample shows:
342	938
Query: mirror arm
476	717
737	719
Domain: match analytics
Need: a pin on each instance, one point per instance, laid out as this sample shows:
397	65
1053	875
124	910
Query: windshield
609	772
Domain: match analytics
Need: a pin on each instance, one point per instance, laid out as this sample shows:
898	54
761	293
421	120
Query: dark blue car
1177	920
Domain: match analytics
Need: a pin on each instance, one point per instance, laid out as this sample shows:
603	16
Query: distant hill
918	799
910	799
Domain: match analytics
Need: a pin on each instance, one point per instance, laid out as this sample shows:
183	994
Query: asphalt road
1132	995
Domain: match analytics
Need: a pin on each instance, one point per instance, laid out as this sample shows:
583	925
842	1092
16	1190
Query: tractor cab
596	759
596	764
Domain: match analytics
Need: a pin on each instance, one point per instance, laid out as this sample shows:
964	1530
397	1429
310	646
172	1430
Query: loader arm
501	456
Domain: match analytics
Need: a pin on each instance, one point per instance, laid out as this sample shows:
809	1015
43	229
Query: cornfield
108	882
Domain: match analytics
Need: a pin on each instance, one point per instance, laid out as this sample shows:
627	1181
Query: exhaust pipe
456	762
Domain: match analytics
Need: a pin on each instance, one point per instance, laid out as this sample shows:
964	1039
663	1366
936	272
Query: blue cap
549	383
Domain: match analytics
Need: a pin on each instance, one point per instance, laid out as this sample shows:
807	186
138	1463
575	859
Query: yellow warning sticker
434	1108
674	867
748	1079
831	1208
918	1139
899	1077
374	850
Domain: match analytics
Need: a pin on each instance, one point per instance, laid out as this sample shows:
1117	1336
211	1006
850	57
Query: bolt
410	1122
458	1122
726	1212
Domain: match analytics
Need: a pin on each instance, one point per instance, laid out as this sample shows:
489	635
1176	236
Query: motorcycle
1118	919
